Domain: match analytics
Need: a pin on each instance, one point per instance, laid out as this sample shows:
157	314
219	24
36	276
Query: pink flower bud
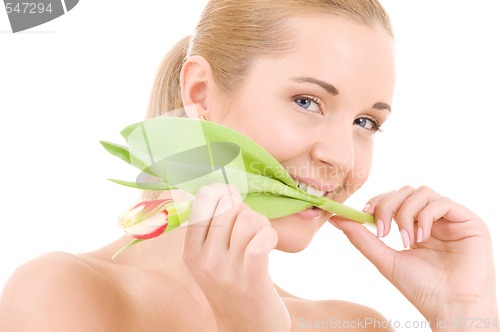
147	219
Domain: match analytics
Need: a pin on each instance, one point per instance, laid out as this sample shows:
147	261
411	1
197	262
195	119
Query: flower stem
178	214
346	211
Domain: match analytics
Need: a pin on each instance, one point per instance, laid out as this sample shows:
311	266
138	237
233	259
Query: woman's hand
448	271
226	248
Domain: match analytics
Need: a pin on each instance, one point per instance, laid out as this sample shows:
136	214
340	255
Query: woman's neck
159	254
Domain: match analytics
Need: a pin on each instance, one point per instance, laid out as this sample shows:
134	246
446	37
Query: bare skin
91	292
150	287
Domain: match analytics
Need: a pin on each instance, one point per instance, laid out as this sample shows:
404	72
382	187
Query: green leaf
119	151
143	185
186	154
275	206
151	142
123	153
257	159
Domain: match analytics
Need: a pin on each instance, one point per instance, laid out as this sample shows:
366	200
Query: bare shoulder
335	315
60	292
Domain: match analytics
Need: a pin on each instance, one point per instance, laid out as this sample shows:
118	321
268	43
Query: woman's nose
335	149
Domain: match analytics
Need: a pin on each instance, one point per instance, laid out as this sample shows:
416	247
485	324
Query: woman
312	82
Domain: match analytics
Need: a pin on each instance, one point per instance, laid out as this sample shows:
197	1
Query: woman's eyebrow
334	91
328	87
382	106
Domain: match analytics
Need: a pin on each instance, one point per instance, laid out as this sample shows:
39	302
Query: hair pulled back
232	34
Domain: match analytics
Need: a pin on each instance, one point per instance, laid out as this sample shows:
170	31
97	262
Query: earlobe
195	75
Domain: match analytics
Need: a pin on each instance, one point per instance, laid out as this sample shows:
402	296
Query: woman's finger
204	208
256	259
386	206
247	224
408	212
221	225
368	244
449	221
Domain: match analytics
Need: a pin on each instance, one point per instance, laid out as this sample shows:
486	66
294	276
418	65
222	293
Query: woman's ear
196	73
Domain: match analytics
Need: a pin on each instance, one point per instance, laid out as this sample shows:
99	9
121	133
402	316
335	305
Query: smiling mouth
310	190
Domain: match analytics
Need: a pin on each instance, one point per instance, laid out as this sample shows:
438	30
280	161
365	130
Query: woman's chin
296	232
292	246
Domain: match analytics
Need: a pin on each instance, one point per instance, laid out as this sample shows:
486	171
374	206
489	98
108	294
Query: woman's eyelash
311	104
375	124
305	102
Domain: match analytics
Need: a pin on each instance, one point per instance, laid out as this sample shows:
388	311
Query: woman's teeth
309	190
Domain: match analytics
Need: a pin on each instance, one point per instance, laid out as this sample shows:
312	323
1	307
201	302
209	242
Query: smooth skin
228	257
213	275
449	272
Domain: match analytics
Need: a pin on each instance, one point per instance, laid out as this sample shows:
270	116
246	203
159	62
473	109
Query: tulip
151	218
147	219
186	154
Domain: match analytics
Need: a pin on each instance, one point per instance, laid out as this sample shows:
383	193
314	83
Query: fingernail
406	239
380	228
420	234
367	206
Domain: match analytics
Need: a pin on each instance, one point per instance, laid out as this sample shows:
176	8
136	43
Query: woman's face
316	109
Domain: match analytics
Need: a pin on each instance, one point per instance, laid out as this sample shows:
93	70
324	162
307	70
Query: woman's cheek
283	144
361	171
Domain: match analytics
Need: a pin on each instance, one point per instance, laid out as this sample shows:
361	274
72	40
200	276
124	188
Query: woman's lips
310	213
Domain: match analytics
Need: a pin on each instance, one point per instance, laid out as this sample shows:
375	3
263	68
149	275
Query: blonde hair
232	34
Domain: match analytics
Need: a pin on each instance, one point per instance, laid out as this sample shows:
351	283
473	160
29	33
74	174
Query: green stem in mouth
180	213
272	186
346	211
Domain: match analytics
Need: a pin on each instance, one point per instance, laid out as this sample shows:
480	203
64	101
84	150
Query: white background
83	77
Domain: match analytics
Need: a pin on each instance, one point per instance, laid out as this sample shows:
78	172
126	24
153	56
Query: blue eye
367	123
308	103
